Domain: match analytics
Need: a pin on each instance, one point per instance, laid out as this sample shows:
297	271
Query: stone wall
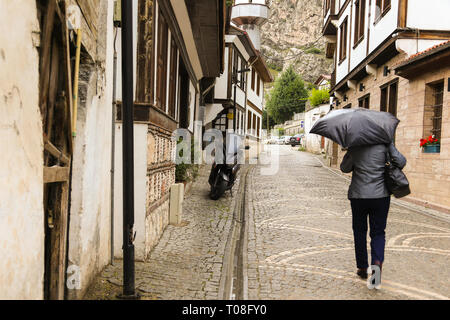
160	177
429	174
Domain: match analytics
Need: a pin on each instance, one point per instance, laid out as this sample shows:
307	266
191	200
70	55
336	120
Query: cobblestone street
300	242
296	243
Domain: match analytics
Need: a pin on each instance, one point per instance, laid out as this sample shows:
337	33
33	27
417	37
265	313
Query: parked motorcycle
223	177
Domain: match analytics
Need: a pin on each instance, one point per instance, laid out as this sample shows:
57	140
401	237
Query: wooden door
55	105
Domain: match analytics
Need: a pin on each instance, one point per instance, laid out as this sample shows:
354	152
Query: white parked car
287	139
272	140
280	140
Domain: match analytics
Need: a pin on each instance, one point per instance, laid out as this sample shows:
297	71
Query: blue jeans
377	209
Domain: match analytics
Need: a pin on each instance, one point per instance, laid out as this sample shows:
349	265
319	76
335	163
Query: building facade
175	57
367	40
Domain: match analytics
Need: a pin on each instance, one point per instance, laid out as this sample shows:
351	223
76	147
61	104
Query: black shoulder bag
395	179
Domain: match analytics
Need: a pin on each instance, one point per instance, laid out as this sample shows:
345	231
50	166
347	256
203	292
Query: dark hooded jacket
368	164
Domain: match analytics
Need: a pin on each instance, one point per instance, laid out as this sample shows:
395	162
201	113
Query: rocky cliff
292	36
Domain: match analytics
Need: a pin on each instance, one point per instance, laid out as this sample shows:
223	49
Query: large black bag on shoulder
395	179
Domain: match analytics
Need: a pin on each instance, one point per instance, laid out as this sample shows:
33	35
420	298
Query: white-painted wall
21	160
436	17
90	211
250	130
220	90
384	27
193	97
252	94
313	141
342	68
359	53
412	46
140	190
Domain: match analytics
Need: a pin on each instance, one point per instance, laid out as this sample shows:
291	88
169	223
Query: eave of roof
424	54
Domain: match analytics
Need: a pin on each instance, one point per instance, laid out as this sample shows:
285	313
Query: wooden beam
46	43
56	174
67	77
425	34
63	239
49	147
89	11
402	13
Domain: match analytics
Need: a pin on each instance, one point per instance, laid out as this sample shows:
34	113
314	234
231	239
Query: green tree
264	120
287	97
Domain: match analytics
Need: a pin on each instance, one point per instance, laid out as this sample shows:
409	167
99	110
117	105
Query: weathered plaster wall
21	159
90	218
140	190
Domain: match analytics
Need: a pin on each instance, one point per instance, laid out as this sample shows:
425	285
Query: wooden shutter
173	78
161	75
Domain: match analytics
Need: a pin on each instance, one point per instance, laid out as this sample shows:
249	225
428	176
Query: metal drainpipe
113	145
129	290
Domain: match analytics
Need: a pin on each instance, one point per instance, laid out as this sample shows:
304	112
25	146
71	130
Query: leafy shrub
319	97
314	50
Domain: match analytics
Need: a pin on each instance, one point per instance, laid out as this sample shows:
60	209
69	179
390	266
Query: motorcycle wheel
218	189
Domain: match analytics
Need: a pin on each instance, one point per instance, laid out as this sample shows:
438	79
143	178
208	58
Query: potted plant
430	145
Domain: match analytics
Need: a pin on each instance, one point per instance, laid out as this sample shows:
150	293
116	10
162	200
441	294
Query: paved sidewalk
187	263
300	240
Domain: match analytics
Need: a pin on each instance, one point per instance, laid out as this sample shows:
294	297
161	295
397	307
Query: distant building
312	142
296	125
241	54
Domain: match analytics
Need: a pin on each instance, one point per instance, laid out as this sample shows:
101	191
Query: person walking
369	196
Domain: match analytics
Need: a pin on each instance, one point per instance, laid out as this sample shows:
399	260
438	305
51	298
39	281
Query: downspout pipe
129	290
113	143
